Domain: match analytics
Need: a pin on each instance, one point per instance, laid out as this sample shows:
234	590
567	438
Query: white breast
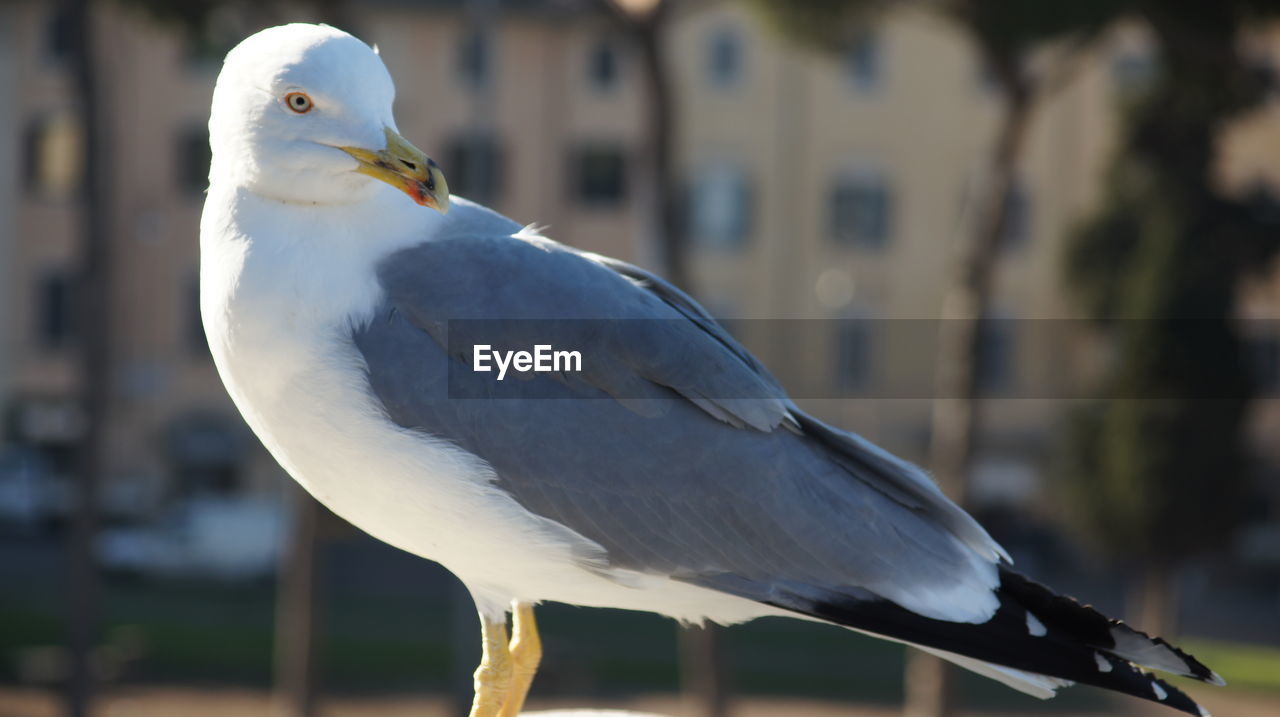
278	311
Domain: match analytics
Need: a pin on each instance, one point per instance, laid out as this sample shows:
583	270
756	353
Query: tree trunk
967	306
930	686
1154	601
659	142
93	312
702	669
297	640
702	665
646	29
929	680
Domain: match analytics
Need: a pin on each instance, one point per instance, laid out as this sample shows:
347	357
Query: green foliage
1242	665
1004	30
190	15
1008	30
1156	472
826	25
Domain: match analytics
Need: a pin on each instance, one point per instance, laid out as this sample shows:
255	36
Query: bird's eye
298	102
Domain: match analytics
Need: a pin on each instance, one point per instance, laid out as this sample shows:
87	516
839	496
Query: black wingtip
1140	683
1087	625
1190	666
1035	630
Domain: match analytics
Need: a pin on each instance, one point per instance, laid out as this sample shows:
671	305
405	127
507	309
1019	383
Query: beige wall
539	105
797	122
793	123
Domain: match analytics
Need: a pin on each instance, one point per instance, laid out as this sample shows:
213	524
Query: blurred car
34	496
30	495
220	538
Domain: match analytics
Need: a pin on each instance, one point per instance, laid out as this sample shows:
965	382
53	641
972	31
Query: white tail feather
1031	683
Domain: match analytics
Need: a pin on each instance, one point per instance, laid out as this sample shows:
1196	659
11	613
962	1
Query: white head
302	113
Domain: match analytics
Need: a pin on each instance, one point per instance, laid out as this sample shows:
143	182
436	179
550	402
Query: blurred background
1032	247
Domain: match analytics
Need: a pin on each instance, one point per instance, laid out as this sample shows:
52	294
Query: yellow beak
406	168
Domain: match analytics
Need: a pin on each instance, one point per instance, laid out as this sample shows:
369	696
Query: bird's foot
526	653
493	676
507	667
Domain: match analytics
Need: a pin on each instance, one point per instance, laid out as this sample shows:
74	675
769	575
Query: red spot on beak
419	193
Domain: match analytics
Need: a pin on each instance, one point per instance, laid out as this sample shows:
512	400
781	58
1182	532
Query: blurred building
817	187
10	151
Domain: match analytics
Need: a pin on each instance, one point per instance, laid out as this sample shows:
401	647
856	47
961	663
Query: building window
1017	218
475	164
599	175
720	206
59	34
724	58
192	157
474	59
996	354
53	157
853	353
864	62
55	324
602	66
861	209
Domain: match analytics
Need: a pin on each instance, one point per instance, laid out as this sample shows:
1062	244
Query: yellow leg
526	653
493	676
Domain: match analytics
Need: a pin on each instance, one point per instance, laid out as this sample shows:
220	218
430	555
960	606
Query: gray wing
673	449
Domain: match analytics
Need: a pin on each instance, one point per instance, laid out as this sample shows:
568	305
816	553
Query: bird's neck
314	264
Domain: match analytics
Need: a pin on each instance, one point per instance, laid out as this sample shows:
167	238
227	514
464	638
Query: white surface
590	713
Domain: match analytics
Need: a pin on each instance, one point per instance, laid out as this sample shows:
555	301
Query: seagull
352	305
